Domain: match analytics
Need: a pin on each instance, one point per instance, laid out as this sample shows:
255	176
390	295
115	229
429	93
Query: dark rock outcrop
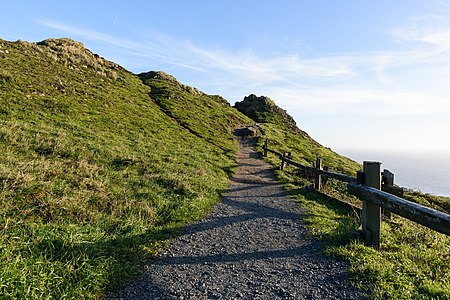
264	110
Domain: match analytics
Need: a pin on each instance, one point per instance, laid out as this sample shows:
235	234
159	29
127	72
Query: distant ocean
428	173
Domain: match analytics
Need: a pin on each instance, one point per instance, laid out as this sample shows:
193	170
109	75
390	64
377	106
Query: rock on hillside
73	55
56	67
264	110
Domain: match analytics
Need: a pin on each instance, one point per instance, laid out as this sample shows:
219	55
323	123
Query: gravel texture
252	245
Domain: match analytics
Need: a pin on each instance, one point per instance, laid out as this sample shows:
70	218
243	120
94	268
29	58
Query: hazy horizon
425	172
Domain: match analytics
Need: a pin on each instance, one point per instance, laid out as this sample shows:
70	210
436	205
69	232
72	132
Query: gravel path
251	246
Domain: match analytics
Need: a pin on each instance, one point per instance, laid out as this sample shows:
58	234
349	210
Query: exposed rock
264	110
248	131
61	43
75	55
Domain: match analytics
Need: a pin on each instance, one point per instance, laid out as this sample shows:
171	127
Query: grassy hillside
304	149
413	262
209	117
93	174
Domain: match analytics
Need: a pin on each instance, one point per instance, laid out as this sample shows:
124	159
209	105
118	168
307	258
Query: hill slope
92	170
208	117
284	135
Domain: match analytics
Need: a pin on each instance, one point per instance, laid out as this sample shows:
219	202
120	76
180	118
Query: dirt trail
252	245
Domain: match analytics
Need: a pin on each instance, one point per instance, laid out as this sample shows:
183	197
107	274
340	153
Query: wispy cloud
247	64
154	46
251	66
376	82
89	34
432	29
362	101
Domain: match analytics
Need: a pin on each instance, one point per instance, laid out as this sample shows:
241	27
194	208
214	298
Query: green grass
209	117
94	175
435	202
413	262
304	149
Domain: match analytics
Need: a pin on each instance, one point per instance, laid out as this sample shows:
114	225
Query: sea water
427	172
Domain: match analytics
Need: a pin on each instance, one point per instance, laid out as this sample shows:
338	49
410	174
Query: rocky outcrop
76	56
264	110
71	53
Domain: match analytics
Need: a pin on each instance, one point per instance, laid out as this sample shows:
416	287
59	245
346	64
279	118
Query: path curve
251	246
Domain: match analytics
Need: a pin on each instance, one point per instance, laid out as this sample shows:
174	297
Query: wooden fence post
282	161
389	187
287	155
325	179
318	181
388	177
266	142
371	213
388	181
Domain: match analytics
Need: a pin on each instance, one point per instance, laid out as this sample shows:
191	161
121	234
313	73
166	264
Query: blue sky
354	74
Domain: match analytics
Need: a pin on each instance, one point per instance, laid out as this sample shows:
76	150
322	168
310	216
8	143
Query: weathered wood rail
368	187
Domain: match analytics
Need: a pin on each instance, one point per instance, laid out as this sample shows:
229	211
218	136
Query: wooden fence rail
367	187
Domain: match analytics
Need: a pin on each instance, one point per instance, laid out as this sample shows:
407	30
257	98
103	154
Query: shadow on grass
116	258
230	170
328	219
123	252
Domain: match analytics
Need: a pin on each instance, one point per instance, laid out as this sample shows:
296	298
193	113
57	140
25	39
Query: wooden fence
375	189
